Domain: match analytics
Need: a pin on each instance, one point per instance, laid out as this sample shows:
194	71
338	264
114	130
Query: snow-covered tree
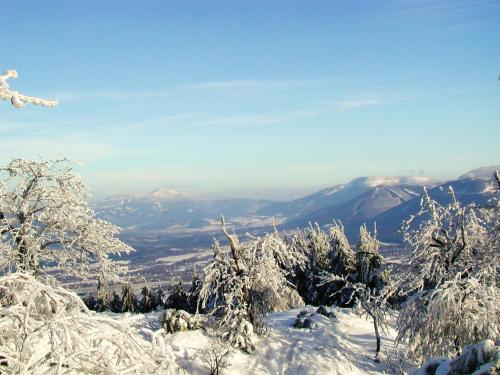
48	330
238	288
194	294
103	297
158	299
128	298
147	300
177	297
360	278
17	99
342	256
314	244
452	278
45	221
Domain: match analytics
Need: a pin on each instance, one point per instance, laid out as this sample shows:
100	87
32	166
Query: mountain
468	190
362	207
335	195
392	201
482	173
182	219
166	209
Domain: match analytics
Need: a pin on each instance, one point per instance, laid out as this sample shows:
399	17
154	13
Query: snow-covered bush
173	320
49	330
217	355
452	278
239	290
479	359
17	99
45	222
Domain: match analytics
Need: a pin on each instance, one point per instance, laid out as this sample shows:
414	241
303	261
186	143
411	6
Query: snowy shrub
173	320
17	99
322	310
479	359
305	320
305	323
451	280
49	330
217	355
239	290
45	222
239	333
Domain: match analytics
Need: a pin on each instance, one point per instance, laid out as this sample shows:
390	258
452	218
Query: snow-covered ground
342	345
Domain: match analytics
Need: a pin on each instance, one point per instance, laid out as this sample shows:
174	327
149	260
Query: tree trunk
377	335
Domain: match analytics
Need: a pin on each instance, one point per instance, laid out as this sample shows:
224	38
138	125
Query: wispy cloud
251	120
76	95
372	100
256	84
78	150
412	8
359	103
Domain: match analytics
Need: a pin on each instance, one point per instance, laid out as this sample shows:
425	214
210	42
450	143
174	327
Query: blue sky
253	98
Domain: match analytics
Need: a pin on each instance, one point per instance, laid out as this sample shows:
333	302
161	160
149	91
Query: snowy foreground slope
344	345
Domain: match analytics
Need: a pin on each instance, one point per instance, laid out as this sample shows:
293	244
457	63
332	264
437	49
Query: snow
337	346
191	256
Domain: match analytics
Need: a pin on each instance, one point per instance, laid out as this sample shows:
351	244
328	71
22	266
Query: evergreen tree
147	300
177	297
128	299
116	303
102	296
159	299
194	294
90	302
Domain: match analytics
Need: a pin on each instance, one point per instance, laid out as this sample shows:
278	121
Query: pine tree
158	299
128	298
194	294
116	303
177	297
102	296
147	300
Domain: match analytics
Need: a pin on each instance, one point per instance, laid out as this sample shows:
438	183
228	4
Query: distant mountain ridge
384	200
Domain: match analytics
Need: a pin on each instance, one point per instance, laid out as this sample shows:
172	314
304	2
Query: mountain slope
336	195
360	209
164	208
467	190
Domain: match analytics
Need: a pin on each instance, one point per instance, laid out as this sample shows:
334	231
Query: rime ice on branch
452	278
17	99
45	222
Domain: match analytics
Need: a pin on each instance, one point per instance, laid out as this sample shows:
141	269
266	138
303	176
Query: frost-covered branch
452	278
46	223
17	99
48	330
242	285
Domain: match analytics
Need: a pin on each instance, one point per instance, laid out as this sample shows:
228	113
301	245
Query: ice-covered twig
17	99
